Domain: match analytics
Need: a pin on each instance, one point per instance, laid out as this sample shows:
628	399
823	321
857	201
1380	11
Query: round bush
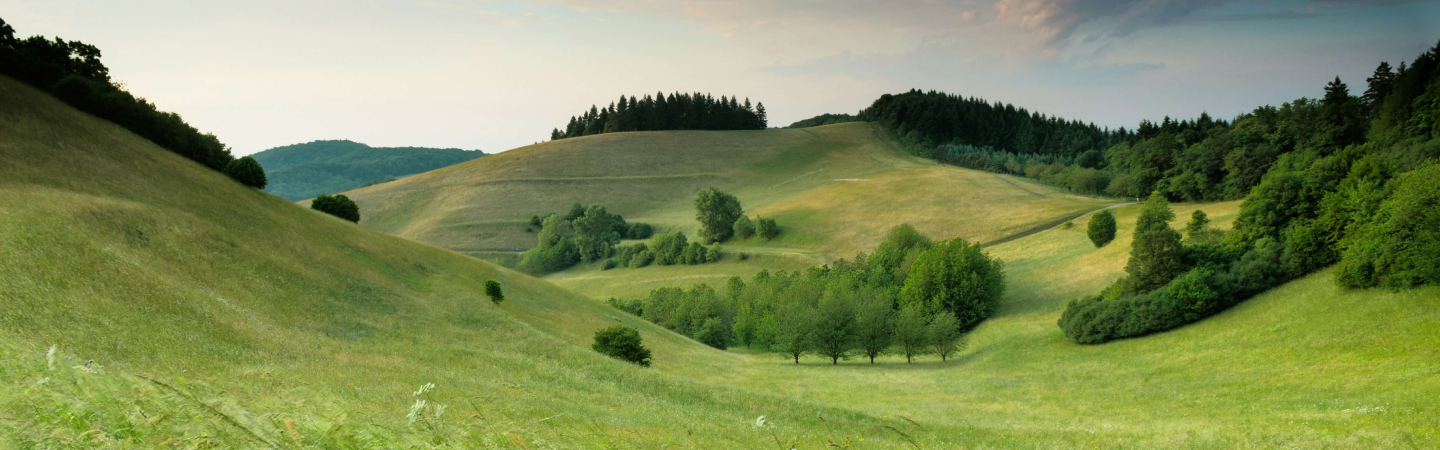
1102	228
623	343
247	171
337	205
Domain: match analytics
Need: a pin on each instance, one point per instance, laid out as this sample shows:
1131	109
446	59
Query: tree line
676	111
72	72
824	119
1355	180
911	296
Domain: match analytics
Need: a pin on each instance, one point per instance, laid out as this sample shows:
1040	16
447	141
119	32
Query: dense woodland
910	293
1347	179
72	72
677	111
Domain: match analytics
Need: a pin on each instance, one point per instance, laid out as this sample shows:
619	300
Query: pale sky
494	75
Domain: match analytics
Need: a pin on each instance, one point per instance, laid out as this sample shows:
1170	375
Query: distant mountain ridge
301	171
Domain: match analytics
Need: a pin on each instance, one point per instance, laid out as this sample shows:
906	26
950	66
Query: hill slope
228	317
302	171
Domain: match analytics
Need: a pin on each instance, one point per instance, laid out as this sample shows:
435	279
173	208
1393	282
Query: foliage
1156	254
556	249
595	234
717	212
714	333
1400	247
337	205
767	228
944	334
623	343
835	327
303	171
492	290
956	277
73	73
874	323
1102	228
911	333
677	111
743	228
247	172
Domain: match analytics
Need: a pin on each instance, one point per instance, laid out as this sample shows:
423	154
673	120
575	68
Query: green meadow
192	312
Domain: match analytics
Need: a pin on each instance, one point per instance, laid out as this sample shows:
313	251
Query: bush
1102	228
492	290
669	248
640	231
608	264
767	228
956	277
555	250
714	333
337	205
247	171
623	343
717	213
642	258
1156	256
744	228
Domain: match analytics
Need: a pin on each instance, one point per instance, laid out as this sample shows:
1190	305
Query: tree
492	290
555	249
911	332
957	277
1199	223
247	171
794	325
1156	254
576	211
1102	228
623	343
767	228
337	205
1380	84
945	337
874	324
1400	246
595	233
760	116
743	228
717	213
835	326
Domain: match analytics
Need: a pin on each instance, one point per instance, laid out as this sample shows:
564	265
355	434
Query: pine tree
760	116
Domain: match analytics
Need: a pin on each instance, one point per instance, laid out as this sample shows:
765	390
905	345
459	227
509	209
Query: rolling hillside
191	312
302	171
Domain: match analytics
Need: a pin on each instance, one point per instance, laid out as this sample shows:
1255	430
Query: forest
676	111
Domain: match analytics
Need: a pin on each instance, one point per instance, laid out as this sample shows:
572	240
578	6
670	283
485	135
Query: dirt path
1048	225
1023	188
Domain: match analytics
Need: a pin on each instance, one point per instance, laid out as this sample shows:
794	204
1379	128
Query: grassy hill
225	317
834	189
302	171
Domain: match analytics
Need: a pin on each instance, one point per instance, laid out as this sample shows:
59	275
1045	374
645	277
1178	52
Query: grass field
228	318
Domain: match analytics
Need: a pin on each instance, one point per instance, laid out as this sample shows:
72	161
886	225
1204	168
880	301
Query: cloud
491	16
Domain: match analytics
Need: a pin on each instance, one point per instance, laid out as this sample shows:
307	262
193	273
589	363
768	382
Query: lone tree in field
874	325
1156	254
492	290
337	205
623	343
1102	228
911	333
717	213
247	171
945	335
955	277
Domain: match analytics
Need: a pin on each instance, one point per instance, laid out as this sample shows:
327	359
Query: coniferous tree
1156	254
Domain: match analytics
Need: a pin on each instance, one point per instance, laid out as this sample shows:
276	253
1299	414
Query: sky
495	75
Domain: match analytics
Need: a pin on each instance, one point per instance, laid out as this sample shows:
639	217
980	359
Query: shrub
337	205
534	221
743	228
623	343
247	171
767	228
640	231
957	277
555	250
1102	228
608	264
669	248
717	213
642	258
714	333
492	290
595	233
